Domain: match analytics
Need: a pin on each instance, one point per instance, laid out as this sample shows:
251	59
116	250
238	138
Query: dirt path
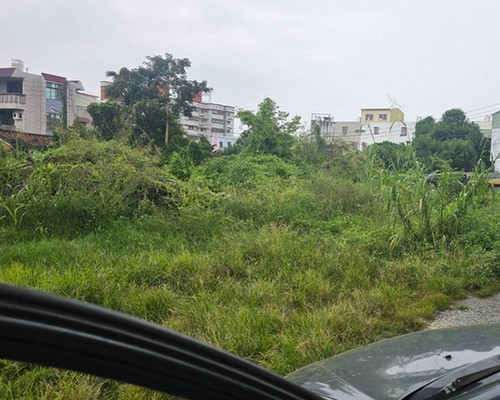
471	311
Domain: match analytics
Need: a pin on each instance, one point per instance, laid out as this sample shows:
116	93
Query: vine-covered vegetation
283	257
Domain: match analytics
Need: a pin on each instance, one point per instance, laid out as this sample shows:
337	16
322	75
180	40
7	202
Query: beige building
376	115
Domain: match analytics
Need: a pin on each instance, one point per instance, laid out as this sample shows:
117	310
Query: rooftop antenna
394	103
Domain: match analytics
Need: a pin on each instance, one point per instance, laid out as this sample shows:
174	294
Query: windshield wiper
447	386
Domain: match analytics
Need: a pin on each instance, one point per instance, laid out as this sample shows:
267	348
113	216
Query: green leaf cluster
452	142
268	131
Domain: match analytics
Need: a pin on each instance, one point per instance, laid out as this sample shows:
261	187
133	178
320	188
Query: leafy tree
425	126
390	155
268	130
311	147
149	120
107	118
160	84
453	140
459	153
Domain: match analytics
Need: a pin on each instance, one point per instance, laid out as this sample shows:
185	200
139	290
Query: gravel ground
472	311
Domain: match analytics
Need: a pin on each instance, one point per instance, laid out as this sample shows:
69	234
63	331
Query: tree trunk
166	124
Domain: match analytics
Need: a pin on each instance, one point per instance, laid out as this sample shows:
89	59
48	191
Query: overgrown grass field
279	263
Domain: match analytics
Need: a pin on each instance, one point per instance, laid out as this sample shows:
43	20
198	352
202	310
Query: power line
483	114
482	108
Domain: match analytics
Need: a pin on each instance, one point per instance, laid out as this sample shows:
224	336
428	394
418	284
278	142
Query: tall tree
268	131
161	82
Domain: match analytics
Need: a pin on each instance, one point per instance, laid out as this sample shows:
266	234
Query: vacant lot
281	264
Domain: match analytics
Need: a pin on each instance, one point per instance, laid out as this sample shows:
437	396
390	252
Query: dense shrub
246	171
84	185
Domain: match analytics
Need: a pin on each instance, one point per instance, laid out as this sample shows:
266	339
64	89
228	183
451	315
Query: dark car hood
394	367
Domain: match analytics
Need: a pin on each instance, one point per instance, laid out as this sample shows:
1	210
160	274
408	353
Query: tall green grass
431	210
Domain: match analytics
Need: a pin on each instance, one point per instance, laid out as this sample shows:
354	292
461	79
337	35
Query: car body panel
392	368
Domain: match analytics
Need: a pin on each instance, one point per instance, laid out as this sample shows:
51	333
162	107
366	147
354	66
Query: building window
54	91
369	117
54	121
15	86
221	145
344	130
382	117
404	131
376	130
217	121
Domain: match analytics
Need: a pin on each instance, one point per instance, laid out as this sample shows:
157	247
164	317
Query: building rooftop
53	78
6	72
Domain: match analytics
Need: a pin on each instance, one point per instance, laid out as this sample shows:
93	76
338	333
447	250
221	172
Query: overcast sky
332	56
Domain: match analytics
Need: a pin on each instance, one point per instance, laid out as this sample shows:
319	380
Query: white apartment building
210	120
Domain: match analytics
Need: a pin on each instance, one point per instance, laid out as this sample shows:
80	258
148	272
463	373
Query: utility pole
166	123
167	92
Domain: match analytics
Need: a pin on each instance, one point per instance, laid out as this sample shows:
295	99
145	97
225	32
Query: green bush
246	171
83	186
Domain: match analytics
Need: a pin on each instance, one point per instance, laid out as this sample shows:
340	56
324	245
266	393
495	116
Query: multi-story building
379	125
210	120
376	125
495	140
39	104
381	115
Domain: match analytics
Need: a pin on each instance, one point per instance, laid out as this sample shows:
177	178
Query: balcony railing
12	99
5	127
